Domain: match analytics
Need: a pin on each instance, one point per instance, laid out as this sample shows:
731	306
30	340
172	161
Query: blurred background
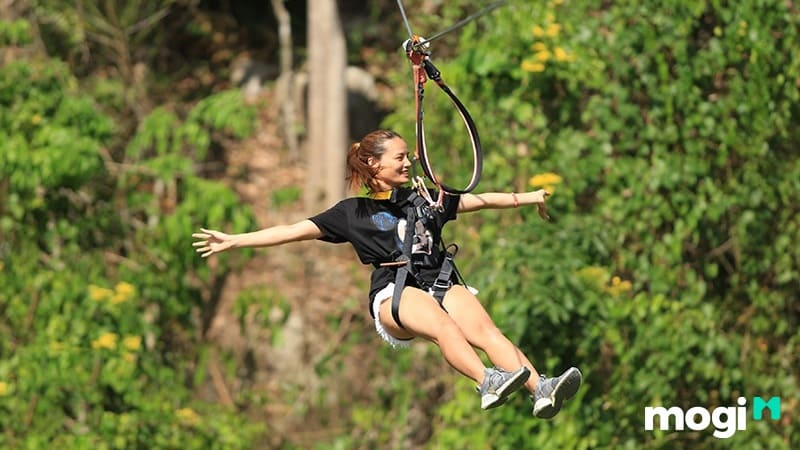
667	131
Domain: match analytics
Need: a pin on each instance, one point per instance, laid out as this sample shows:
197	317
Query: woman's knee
485	334
437	327
449	329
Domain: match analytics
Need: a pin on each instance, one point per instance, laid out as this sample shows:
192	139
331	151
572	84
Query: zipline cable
405	19
463	22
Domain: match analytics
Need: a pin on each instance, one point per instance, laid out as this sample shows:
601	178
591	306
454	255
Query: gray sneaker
550	393
498	384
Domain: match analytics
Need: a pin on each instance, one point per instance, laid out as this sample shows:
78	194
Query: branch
147	22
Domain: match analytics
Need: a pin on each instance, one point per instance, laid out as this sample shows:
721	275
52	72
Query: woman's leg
480	331
423	317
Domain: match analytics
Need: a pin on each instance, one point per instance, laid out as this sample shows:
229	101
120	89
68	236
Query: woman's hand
541	196
211	242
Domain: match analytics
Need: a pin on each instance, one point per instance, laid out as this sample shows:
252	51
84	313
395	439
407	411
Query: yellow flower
36	119
537	31
106	340
618	286
4	388
545	179
124	288
132	343
187	416
98	293
563	55
539	46
553	30
556	2
122	292
129	358
532	66
542	56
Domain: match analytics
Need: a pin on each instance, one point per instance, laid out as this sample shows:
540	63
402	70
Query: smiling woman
415	290
378	162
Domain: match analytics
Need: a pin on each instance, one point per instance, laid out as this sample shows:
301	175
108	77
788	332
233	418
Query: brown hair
359	171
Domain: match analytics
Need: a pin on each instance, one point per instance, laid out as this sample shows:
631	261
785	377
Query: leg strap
403	271
399	284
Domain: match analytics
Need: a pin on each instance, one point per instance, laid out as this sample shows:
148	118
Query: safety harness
419	207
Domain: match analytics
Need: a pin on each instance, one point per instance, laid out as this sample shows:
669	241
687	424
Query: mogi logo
727	420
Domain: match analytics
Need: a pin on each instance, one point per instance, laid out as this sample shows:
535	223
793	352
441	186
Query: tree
287	78
327	105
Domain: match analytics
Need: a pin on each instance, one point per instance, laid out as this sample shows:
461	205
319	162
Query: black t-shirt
376	229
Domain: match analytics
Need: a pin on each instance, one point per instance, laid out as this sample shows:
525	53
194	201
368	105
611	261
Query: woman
378	226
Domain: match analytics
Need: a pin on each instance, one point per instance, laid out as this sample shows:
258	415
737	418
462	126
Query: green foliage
667	272
286	196
665	130
118	29
99	288
16	32
162	133
265	307
50	139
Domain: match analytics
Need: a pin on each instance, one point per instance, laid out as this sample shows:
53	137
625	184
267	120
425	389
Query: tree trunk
286	79
327	106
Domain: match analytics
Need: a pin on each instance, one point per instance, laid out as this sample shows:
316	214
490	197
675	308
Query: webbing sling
420	59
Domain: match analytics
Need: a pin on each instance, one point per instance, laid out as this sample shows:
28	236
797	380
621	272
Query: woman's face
393	166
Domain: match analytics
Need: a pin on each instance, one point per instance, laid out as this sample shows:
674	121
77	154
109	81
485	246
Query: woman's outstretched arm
498	200
212	241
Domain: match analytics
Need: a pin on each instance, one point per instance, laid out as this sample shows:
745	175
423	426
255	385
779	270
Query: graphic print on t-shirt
384	221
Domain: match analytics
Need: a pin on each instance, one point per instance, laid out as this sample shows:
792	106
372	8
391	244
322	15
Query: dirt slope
312	299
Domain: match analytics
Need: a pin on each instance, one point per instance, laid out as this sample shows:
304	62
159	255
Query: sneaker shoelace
494	377
541	386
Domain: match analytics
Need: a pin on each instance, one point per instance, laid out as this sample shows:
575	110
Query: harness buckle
442	284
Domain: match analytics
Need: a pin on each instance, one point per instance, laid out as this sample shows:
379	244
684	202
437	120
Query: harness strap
443	280
404	270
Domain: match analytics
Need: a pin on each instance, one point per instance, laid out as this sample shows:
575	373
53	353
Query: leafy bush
99	290
16	32
666	272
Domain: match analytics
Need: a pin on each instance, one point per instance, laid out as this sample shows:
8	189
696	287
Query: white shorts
386	294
